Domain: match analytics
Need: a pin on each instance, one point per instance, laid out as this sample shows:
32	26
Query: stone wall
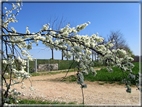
47	67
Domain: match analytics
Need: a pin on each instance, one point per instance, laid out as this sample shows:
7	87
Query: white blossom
53	33
31	88
17	10
77	60
45	27
18	4
4	61
93	36
56	42
42	38
13	29
89	22
27	32
65	33
6	74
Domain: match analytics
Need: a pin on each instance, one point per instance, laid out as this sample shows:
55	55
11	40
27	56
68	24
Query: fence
29	67
62	64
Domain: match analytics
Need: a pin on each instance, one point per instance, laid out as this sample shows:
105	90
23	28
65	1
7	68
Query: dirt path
71	92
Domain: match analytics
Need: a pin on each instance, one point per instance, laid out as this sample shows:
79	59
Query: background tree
127	49
118	39
56	24
120	42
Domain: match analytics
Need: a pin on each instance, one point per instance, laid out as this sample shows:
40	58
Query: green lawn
34	101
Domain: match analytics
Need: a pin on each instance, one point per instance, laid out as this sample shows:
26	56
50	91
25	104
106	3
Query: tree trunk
62	55
73	57
52	53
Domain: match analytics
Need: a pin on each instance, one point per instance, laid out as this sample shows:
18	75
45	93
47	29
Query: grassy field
104	75
38	101
49	103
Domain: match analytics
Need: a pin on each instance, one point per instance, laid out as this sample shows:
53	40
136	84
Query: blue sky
104	17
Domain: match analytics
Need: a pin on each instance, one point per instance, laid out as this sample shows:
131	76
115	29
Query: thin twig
31	82
68	70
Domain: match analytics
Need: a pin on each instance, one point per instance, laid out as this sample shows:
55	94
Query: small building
136	59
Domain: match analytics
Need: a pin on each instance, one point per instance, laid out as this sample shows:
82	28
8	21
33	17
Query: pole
35	65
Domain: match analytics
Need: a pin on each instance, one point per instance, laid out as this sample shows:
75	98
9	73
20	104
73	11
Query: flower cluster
13	94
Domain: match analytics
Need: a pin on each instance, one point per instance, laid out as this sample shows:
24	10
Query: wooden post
59	65
35	65
27	65
73	57
62	55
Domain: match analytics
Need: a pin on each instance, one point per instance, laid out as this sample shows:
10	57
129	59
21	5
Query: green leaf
128	90
124	81
84	86
79	82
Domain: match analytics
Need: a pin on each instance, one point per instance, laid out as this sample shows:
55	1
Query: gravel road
71	92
